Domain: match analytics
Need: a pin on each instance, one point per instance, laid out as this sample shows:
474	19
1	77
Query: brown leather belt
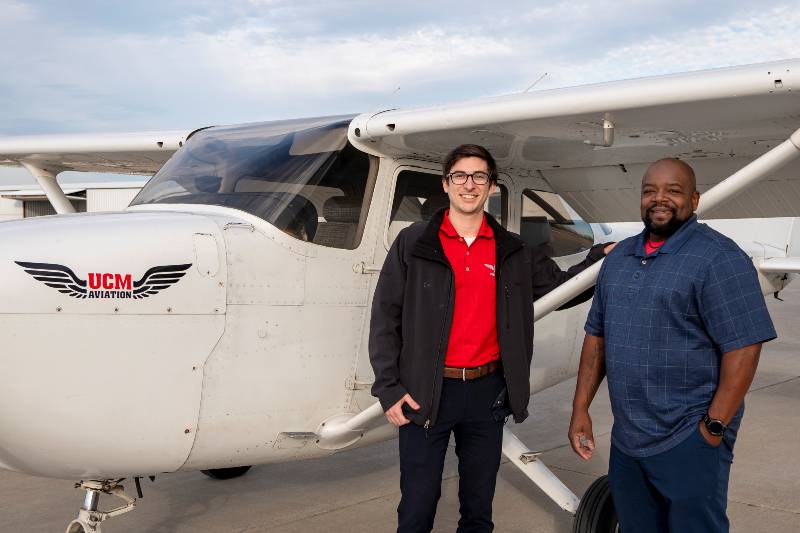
465	374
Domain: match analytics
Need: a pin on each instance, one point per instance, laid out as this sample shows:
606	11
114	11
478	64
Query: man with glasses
451	341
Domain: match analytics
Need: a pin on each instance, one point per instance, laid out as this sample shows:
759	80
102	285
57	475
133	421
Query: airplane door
337	289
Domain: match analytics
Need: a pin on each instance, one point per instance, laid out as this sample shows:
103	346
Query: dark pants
465	409
684	489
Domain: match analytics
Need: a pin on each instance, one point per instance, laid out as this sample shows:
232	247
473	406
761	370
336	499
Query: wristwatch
715	427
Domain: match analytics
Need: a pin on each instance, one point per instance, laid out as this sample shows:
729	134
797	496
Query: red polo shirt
473	334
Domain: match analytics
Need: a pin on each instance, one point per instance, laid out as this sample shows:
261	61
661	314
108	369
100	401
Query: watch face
715	427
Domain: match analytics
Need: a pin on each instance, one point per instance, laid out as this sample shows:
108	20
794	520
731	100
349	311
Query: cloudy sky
100	65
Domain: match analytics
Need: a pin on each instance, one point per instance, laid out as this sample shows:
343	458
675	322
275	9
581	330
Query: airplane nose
107	321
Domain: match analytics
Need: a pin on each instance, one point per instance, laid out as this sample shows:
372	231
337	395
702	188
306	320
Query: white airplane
221	320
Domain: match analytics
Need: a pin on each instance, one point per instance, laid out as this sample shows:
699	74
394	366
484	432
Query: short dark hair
469	150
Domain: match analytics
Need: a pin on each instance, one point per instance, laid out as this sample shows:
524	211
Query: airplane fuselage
235	362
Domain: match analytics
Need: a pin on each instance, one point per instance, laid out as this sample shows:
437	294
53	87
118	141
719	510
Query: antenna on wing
532	85
377	107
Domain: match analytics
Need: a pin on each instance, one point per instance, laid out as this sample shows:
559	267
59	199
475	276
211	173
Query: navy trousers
682	490
466	411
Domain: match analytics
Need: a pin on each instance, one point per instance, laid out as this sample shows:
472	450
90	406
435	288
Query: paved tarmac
357	491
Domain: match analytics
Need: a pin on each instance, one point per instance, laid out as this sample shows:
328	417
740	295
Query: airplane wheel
226	473
596	513
79	526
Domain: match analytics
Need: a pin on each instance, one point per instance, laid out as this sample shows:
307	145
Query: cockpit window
547	221
302	176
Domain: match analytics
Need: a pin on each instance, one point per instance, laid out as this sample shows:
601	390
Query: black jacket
412	312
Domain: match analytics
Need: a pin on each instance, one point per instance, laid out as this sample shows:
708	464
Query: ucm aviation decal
105	284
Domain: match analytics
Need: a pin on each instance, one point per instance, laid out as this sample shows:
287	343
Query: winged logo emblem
105	285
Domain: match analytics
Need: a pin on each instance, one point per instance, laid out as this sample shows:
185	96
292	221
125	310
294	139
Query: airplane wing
122	153
591	144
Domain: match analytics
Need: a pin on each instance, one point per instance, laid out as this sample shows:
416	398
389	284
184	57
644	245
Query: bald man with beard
676	326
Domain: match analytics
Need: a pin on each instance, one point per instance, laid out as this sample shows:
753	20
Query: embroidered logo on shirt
490	267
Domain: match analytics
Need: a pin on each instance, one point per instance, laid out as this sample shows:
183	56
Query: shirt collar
673	243
448	229
486	229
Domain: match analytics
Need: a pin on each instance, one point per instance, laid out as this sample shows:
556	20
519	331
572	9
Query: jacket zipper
508	306
507	290
439	354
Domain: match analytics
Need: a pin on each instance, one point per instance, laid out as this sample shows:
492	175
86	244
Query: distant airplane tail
776	272
773	243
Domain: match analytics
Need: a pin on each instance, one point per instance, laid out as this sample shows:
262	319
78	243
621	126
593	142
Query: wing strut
722	192
49	184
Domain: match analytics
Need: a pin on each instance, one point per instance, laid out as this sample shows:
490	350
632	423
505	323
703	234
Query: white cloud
139	77
749	38
364	63
15	12
274	59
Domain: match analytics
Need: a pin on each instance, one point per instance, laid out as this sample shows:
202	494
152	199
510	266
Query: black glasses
460	178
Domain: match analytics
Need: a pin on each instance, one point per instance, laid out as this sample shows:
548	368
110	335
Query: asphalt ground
357	491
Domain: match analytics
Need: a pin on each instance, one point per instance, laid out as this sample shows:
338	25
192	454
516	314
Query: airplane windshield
302	176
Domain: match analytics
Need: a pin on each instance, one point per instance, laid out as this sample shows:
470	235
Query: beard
666	229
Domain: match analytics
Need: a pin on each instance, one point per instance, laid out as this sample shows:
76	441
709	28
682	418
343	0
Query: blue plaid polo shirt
667	319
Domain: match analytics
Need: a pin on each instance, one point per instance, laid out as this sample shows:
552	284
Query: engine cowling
107	320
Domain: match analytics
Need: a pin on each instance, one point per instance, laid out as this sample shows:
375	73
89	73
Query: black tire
596	513
226	473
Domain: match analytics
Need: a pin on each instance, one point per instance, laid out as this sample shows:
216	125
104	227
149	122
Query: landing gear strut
89	518
594	513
